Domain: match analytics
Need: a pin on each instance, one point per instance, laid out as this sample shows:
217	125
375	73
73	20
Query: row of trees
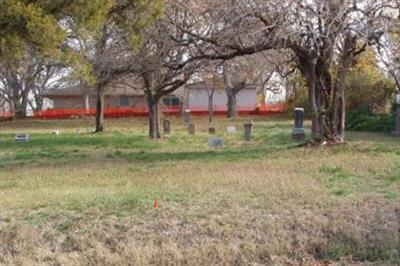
166	43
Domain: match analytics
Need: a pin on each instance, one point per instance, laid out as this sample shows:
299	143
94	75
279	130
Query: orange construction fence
143	112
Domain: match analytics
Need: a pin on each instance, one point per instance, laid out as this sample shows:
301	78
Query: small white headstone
22	137
231	130
56	132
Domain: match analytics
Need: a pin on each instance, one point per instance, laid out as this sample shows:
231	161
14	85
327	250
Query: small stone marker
231	130
186	117
248	127
192	129
22	137
298	132
396	132
56	132
167	126
211	130
215	142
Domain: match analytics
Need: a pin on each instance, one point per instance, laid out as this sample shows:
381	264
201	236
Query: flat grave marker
22	137
215	142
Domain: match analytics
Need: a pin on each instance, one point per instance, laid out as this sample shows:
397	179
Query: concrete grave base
298	134
396	133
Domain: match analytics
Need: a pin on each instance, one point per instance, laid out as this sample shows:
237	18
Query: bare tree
23	81
325	36
159	65
389	50
104	54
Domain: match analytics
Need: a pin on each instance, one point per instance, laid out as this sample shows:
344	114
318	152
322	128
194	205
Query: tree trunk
11	107
20	112
39	104
20	106
20	100
340	112
211	106
232	105
154	117
99	110
86	102
347	59
308	69
317	125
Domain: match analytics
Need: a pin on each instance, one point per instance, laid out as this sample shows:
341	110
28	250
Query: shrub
363	119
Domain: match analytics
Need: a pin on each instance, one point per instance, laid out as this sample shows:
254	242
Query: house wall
120	101
68	102
65	102
198	99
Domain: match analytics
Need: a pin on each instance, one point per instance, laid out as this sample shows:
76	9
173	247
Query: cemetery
200	132
96	193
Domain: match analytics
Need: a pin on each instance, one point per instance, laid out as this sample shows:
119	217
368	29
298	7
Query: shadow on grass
88	140
207	155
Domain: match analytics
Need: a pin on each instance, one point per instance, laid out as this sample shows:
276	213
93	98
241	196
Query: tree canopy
36	23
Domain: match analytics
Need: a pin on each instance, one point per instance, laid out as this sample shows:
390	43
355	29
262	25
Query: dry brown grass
257	204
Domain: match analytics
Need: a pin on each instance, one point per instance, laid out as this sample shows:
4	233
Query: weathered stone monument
186	117
215	142
192	129
22	137
248	127
211	130
298	132
231	130
56	132
167	126
396	131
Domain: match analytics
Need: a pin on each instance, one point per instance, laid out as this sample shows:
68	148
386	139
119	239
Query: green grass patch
337	179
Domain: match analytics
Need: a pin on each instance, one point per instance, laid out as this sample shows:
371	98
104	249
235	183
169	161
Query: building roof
116	90
218	87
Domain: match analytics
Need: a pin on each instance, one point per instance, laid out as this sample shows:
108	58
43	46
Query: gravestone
167	126
192	129
248	127
298	132
215	142
396	132
56	132
211	130
22	137
186	117
231	130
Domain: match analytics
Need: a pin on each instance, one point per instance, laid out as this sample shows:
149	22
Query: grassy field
87	199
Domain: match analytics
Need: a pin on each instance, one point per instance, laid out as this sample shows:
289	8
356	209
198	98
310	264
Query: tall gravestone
187	117
248	128
298	132
211	130
167	126
396	132
192	129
